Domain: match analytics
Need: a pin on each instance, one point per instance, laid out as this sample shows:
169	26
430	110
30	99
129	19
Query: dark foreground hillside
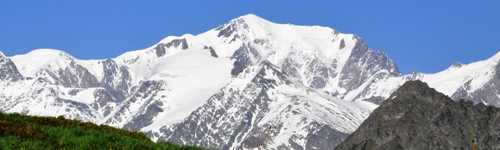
417	117
26	132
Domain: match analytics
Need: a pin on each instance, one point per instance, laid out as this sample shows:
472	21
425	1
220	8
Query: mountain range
246	84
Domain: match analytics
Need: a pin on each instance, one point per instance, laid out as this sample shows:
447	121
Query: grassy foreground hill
27	132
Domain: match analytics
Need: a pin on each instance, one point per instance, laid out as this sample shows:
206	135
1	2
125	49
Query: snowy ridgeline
249	83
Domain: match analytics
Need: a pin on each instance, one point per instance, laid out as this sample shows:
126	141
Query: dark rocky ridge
418	117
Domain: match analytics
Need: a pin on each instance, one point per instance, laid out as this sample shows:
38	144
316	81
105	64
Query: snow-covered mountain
247	84
478	81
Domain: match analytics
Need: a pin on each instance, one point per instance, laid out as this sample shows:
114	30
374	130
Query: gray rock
226	31
178	42
320	73
342	44
418	117
160	50
362	64
231	28
116	79
74	75
323	137
243	57
8	70
145	96
145	118
212	51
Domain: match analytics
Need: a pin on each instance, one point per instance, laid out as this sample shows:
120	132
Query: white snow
449	80
95	67
85	96
31	63
296	108
192	77
37	60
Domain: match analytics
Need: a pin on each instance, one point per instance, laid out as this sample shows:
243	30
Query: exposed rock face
182	43
229	29
212	51
141	107
418	117
8	71
242	59
363	64
116	78
160	50
74	75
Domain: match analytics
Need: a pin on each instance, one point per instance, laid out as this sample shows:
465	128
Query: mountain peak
252	18
244	25
46	54
46	51
413	85
413	89
39	59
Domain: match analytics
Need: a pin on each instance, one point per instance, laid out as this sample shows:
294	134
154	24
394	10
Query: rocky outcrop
363	64
8	70
141	107
243	57
74	75
418	117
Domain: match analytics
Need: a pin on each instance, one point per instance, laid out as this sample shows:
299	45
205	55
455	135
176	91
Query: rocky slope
8	70
249	83
419	117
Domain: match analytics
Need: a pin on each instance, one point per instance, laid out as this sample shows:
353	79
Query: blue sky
423	35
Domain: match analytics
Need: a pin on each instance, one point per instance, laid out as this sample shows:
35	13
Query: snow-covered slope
477	81
477	74
268	111
247	84
41	59
187	80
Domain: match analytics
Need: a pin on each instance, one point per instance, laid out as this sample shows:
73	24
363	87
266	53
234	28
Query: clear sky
420	35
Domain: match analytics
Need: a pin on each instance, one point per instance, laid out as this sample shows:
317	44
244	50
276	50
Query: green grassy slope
26	132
